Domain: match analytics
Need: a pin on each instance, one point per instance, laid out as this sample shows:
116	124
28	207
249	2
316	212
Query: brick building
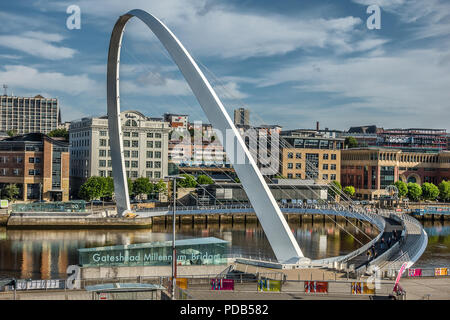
371	170
37	164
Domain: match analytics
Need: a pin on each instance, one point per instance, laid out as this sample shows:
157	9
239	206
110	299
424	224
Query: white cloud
37	44
29	79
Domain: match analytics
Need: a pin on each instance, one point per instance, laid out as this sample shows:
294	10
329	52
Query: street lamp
174	253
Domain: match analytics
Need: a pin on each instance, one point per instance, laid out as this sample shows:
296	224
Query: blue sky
290	62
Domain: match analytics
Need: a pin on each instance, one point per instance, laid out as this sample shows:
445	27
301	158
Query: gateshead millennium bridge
410	243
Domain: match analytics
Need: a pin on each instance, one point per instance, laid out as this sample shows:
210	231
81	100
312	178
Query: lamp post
174	252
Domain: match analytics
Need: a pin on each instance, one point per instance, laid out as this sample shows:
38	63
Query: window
102	173
158	135
102	163
289	175
102	142
157	154
126	143
149	144
102	153
134	174
134	154
126	134
333	156
149	134
333	177
157	164
157	174
290	166
298	175
290	155
126	153
157	144
333	167
325	177
149	174
109	163
325	166
103	133
325	156
135	134
30	160
298	156
149	154
149	164
298	166
135	143
134	164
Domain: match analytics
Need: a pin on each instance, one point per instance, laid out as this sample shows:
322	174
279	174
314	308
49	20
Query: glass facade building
199	251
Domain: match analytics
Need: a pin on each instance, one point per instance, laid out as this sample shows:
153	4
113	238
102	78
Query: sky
291	62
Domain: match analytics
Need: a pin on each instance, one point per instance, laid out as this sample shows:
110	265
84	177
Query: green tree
130	187
349	190
350	142
204	179
444	191
334	188
11	133
188	182
109	190
430	191
94	188
402	188
62	133
414	191
10	192
237	180
142	186
160	187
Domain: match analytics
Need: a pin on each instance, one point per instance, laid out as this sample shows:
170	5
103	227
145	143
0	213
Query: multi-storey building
145	142
310	155
371	170
177	120
26	114
37	164
242	117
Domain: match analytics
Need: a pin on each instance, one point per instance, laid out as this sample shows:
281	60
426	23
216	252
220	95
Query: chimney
317	125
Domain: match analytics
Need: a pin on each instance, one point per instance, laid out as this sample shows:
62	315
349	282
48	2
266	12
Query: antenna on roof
5	87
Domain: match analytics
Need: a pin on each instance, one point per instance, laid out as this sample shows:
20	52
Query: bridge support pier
206	219
245	219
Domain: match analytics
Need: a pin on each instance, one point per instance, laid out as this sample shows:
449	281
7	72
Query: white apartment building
145	142
28	114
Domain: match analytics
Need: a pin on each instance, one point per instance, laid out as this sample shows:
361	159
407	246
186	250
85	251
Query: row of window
290	155
134	134
131	174
133	163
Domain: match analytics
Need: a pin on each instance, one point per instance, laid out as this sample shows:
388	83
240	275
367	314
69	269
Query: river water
45	254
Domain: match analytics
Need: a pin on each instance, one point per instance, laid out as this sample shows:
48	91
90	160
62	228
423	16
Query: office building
177	120
242	117
307	154
145	142
371	170
37	164
29	114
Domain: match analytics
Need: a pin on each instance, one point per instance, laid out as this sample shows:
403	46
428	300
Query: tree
444	191
350	142
10	192
109	190
402	188
94	188
11	133
414	191
237	180
349	190
430	191
335	187
62	133
160	187
130	187
188	182
204	179
142	186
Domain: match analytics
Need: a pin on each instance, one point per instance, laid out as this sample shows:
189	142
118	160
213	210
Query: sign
440	271
415	272
222	284
73	277
316	287
182	283
4	203
102	296
400	272
362	288
269	285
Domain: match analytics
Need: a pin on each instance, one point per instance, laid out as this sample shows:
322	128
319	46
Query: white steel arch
269	214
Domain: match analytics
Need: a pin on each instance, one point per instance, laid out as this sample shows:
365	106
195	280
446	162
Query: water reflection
45	254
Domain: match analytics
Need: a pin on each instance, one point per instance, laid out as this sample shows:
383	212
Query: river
45	254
